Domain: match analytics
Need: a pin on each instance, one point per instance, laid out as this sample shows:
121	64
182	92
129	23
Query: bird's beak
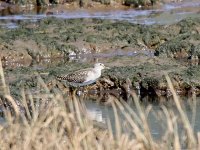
107	67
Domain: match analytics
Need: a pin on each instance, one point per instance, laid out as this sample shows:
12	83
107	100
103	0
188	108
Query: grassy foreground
53	121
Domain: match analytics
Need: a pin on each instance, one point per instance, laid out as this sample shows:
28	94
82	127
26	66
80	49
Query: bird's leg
79	91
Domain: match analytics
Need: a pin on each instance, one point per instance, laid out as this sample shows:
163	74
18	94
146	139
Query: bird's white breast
93	75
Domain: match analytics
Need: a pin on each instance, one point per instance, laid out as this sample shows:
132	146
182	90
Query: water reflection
157	120
96	114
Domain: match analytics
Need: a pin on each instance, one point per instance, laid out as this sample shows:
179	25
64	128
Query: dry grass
56	122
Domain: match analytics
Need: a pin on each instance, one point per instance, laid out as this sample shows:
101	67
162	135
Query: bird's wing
76	77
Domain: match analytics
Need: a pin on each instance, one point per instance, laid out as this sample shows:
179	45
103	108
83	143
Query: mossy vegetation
53	38
83	3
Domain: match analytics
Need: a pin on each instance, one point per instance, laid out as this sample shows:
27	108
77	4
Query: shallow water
156	119
86	58
165	14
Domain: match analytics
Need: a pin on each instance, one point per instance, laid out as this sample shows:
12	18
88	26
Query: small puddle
115	53
48	62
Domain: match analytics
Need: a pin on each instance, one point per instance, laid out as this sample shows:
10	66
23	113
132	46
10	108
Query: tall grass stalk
5	89
186	123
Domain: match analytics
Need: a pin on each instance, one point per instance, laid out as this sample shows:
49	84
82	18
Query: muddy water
156	119
164	14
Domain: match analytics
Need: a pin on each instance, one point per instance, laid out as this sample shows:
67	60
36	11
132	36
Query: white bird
84	76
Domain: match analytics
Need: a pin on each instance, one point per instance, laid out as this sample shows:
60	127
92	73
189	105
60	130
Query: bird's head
100	66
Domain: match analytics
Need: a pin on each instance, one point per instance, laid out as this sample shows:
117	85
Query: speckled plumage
84	76
76	77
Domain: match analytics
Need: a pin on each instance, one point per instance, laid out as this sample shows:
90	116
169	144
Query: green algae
54	37
57	34
185	44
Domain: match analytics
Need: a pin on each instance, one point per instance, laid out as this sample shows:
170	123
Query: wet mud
139	55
